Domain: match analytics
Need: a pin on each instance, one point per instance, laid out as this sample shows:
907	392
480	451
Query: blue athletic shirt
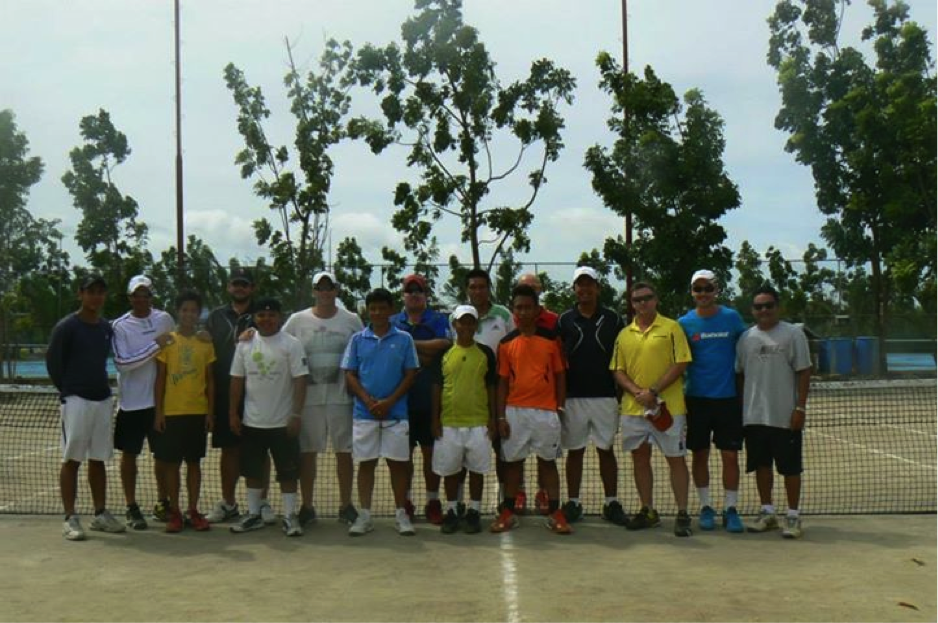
432	325
713	345
381	364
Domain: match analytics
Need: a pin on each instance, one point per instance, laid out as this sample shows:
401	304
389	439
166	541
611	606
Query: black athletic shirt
77	357
225	325
588	344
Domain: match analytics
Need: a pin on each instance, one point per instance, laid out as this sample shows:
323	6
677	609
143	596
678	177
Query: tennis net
869	447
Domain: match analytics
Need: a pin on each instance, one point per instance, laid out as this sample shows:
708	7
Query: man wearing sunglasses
713	411
774	368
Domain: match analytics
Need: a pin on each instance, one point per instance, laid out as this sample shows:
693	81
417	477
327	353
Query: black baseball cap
267	304
241	274
92	279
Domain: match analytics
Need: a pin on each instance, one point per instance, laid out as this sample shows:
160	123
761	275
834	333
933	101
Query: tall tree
319	101
666	168
353	273
204	274
442	99
866	128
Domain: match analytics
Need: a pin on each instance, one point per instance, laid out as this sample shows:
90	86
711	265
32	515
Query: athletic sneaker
198	521
403	524
521	502
614	513
542	503
72	530
682	524
434	512
361	526
764	522
248	523
306	516
792	529
557	523
505	521
732	521
174	521
222	512
461	509
160	509
348	514
473	522
450	522
291	525
268	514
105	522
410	509
573	511
644	518
708	518
135	518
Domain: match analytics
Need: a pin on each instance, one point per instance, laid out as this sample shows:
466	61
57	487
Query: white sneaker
72	530
291	525
402	522
268	514
222	512
764	522
792	529
361	527
105	522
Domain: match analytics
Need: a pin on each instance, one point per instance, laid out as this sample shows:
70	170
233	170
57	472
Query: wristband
801	409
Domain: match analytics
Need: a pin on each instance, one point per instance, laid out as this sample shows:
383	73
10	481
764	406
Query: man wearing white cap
324	330
588	332
139	335
713	409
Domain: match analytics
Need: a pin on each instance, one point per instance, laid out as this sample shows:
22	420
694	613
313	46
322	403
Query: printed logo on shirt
264	368
710	335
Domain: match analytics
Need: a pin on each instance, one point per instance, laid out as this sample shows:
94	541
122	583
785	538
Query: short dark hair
479	273
188	295
523	290
379	295
643	285
766	289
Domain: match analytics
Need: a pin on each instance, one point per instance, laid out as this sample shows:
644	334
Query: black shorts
765	444
132	428
421	429
284	449
721	418
222	436
182	440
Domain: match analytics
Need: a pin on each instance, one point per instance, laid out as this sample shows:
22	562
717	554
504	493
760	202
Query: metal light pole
180	234
625	113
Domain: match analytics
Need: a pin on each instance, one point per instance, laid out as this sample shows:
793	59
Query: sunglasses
328	288
707	289
241	284
643	299
761	306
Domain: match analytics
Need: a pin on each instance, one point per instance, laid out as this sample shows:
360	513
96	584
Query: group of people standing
275	392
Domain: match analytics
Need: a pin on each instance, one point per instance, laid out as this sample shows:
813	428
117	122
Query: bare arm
299	399
427	350
235	394
436	403
210	395
804	384
355	388
561	389
501	401
383	406
159	394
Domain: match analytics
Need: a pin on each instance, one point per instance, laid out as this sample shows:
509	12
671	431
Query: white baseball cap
703	274
139	281
324	274
585	271
462	310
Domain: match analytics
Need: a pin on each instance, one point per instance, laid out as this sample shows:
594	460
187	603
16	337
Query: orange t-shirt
531	363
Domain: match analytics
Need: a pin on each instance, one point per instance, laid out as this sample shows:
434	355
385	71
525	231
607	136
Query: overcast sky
64	60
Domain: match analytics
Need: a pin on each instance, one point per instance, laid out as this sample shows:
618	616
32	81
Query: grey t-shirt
770	361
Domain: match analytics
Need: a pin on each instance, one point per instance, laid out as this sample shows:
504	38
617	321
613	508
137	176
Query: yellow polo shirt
645	356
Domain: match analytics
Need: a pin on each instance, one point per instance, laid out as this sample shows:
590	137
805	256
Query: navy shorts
421	430
716	419
768	444
132	428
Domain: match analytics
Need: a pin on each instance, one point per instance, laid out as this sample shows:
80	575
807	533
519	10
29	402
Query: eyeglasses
642	299
328	288
707	289
761	306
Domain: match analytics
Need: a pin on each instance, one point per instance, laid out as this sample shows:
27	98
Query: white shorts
589	419
462	447
389	439
325	423
86	429
532	430
637	430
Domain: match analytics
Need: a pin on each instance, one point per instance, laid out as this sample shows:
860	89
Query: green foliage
666	169
441	98
505	277
204	274
353	273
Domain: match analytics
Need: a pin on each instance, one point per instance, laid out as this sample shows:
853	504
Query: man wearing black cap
77	363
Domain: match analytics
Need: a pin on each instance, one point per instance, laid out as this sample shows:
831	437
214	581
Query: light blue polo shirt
381	363
712	342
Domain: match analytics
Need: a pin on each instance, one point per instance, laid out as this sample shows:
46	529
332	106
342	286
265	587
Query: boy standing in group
464	418
184	395
269	373
380	363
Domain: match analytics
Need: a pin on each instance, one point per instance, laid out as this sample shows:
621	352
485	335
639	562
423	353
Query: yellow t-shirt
186	361
645	356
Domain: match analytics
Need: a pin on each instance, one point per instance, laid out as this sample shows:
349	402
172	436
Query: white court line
19	457
874	450
509	579
909	430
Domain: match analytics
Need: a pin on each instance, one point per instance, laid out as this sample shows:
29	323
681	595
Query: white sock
364	513
703	493
610	500
432	495
768	508
732	498
793	512
408	496
289	503
451	505
254	501
476	505
575	501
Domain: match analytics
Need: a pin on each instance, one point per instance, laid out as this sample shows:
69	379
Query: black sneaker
682	524
461	509
450	522
644	518
248	523
614	513
135	518
473	522
573	511
307	515
161	510
348	514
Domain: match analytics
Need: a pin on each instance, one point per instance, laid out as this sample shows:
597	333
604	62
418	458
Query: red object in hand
663	420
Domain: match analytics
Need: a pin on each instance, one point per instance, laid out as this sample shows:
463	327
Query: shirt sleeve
55	355
681	347
557	362
411	362
298	366
741	353
617	362
126	359
350	357
491	372
801	355
237	362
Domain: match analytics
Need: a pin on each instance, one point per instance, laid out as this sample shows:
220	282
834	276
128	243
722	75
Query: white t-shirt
134	356
268	365
324	340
